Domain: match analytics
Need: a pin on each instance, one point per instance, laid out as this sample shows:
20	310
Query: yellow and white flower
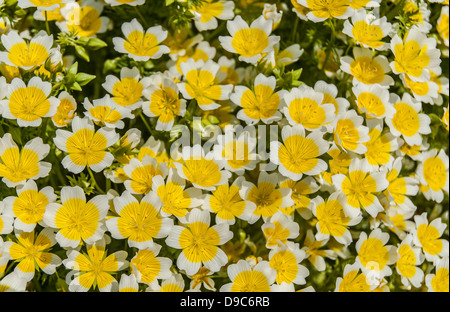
226	203
41	5
175	283
201	83
237	150
128	90
305	106
96	268
427	235
354	281
300	10
140	173
28	207
249	42
4	257
260	103
322	10
418	15
138	221
202	278
201	169
332	220
228	70
330	92
361	188
301	191
139	44
31	251
28	104
66	110
438	282
400	187
202	51
176	199
148	267
445	117
299	154
367	30
200	242
105	112
374	100
381	145
349	132
13	283
17	166
164	103
427	91
285	260
206	15
289	55
367	69
19	53
84	18
442	26
315	252
266	196
270	13
409	258
76	219
374	256
416	55
85	146
433	172
407	121
128	283
278	229
6	224
245	278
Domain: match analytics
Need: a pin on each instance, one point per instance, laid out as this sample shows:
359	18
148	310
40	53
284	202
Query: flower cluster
216	145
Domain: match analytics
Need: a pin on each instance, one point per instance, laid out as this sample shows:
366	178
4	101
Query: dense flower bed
214	145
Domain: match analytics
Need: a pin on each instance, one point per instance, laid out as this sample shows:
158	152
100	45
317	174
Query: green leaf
72	70
169	2
76	87
83	79
81	52
95	44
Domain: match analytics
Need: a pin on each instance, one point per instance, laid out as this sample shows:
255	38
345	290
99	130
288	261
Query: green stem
330	44
294	31
59	174
46	23
97	187
145	122
141	16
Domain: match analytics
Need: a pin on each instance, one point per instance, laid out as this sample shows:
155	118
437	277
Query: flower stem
145	122
330	44
97	187
46	23
141	16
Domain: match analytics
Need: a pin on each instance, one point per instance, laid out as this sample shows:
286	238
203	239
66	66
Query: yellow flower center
250	281
86	147
29	103
249	42
199	242
141	44
30	55
411	58
406	119
367	70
